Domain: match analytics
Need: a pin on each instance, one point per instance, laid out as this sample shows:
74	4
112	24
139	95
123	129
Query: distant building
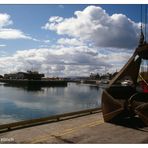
1	77
29	75
94	76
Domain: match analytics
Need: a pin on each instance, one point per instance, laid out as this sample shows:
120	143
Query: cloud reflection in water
21	103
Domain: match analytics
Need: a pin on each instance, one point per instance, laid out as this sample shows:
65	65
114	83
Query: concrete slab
86	129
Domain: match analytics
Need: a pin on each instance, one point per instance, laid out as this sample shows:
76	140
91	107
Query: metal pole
145	20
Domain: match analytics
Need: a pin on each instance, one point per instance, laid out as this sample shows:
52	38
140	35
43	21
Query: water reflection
27	87
21	103
31	87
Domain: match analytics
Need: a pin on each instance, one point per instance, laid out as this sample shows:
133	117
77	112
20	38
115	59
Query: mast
142	38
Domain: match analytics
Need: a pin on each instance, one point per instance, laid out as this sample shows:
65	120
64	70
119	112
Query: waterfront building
1	77
29	75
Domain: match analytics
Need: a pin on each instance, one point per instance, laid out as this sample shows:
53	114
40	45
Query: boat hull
114	108
128	101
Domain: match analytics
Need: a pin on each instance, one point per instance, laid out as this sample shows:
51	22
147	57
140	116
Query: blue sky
31	21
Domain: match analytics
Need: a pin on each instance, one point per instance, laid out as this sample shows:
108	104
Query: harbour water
23	103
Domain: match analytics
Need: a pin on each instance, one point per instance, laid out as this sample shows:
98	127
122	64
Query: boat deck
85	129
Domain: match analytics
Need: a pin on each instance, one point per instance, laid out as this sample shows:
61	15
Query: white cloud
46	41
3	45
3	53
12	34
63	61
54	20
68	41
5	20
9	33
94	24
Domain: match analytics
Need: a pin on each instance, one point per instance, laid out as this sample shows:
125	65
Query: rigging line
143	79
145	20
141	17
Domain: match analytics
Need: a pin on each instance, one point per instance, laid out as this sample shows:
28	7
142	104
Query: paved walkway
86	129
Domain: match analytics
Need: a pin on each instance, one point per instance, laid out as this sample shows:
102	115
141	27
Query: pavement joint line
96	124
76	129
67	131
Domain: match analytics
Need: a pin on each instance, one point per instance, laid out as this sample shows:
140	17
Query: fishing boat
131	100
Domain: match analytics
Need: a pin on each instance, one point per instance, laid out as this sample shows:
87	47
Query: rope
143	79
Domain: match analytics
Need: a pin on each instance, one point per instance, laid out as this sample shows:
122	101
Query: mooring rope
143	79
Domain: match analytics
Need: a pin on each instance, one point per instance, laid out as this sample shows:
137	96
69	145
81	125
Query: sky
67	40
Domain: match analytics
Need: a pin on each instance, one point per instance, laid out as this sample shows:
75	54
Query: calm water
18	103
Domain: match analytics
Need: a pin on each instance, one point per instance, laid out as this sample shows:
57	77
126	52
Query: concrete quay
86	129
